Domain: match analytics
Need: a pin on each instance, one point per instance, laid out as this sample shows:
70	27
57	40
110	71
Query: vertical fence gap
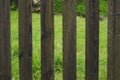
69	39
47	40
80	48
36	46
103	50
58	47
5	45
92	39
113	40
103	42
14	44
25	39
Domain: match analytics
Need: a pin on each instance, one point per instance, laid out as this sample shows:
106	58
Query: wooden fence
69	40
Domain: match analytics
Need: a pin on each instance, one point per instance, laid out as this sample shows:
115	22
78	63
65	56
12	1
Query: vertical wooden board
7	40
69	39
25	39
113	72
5	47
1	42
92	40
47	40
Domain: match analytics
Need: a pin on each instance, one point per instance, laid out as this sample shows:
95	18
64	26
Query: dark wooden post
69	39
47	40
5	47
114	40
25	39
92	40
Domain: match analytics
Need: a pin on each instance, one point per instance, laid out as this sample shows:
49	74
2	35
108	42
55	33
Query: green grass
58	47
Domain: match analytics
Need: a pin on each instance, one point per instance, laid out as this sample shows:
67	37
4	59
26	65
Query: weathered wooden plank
69	39
25	39
5	47
113	40
47	40
1	43
92	40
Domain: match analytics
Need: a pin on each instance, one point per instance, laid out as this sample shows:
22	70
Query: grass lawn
58	47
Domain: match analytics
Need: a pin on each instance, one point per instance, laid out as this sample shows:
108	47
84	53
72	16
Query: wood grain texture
5	47
25	39
47	40
113	40
92	40
69	39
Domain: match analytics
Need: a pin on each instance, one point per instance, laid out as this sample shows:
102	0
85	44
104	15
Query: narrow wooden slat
92	40
1	42
25	39
5	47
7	40
113	40
47	40
69	39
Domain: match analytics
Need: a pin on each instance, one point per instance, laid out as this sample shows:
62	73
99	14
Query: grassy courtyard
58	47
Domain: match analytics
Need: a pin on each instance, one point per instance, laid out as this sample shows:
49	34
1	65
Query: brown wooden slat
69	39
114	40
47	40
5	47
1	43
92	40
25	39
